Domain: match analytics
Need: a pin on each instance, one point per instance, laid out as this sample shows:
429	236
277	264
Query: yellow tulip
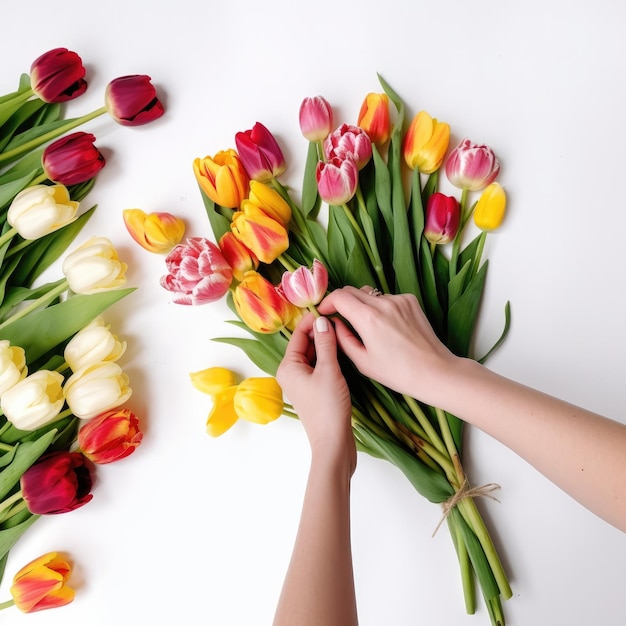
425	143
222	178
489	210
213	380
222	415
259	400
269	201
156	232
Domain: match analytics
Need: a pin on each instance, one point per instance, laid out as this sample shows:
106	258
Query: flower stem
8	502
51	295
7	236
424	422
7	604
457	239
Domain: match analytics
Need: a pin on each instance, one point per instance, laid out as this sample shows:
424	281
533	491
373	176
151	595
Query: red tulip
72	159
132	100
442	218
58	76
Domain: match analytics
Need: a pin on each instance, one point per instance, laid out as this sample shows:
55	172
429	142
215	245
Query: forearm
319	585
580	451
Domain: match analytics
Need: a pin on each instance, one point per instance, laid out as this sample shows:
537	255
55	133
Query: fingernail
321	324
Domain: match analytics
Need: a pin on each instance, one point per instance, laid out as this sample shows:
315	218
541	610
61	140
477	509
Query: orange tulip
266	237
425	143
222	178
240	258
374	118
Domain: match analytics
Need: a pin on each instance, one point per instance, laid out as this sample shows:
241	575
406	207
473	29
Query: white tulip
92	344
12	365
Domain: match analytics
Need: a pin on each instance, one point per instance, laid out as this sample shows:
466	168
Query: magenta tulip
316	118
260	153
442	218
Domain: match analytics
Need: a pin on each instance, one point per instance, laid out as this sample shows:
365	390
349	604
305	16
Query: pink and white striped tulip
337	180
349	140
472	166
305	286
316	118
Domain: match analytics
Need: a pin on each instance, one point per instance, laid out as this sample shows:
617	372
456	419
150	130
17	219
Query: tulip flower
39	210
489	210
374	118
58	76
349	140
42	584
58	482
94	267
266	237
305	287
132	100
442	218
425	143
12	365
34	401
337	180
260	153
222	178
156	232
92	344
72	159
222	415
316	118
198	273
472	166
110	436
213	380
240	258
259	400
269	201
96	388
260	305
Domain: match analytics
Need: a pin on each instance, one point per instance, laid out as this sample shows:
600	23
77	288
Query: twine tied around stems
465	491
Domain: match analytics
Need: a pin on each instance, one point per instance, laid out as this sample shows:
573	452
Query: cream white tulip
34	401
12	365
94	267
41	209
92	344
95	389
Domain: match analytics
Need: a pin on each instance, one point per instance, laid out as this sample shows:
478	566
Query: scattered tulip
269	201
156	232
92	344
58	482
266	237
305	287
58	76
34	401
42	584
72	159
316	118
374	118
110	436
213	379
94	267
425	143
260	153
12	365
240	258
472	166
222	178
349	140
95	389
40	210
337	180
198	273
222	415
259	400
489	210
132	100
442	218
260	305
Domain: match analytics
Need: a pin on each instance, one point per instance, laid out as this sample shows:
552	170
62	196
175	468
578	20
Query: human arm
581	452
319	585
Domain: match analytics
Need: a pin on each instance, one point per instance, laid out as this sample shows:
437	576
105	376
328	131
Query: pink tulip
316	118
472	166
260	153
337	180
197	272
305	286
442	218
349	140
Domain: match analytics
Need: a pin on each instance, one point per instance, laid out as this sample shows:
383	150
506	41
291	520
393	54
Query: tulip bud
269	201
12	365
95	389
222	178
132	100
266	237
425	143
58	76
259	400
260	153
374	118
93	344
472	166
213	380
442	218
110	436
40	210
41	584
73	159
156	232
489	210
337	179
197	272
58	482
240	258
34	401
94	267
349	140
305	287
316	118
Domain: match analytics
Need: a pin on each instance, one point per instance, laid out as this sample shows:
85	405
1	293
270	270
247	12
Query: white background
194	530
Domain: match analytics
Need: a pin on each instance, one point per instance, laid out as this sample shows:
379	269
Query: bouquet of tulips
61	387
275	256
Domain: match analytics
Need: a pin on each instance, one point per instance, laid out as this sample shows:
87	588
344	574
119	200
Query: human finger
300	341
325	343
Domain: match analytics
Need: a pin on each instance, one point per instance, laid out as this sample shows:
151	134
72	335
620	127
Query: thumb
325	342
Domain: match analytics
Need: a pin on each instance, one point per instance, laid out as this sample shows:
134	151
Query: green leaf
432	305
9	190
220	223
505	332
17	295
382	184
311	201
10	536
257	352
